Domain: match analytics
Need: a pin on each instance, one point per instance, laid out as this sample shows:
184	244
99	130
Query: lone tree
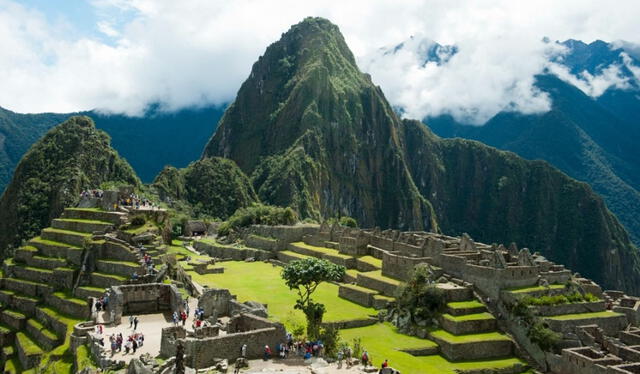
305	276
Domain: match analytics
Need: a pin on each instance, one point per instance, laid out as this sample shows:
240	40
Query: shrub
330	337
420	297
258	214
543	336
138	221
348	222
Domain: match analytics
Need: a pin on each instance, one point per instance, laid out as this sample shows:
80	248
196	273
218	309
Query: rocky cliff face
314	133
69	158
317	135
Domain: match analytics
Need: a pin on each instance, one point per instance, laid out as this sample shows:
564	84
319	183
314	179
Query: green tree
305	276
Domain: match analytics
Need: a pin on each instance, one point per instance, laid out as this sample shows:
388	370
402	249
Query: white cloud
193	52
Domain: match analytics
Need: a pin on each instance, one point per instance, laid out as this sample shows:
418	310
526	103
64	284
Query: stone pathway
295	366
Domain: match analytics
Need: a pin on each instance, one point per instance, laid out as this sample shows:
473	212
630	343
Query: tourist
134	276
135	323
385	364
340	359
119	342
281	352
134	344
243	351
175	318
114	344
130	321
183	317
99	329
267	352
127	346
347	354
365	359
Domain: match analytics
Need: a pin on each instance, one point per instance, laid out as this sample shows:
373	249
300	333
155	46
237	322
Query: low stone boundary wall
264	243
475	350
574	308
468	327
352	323
234	253
610	325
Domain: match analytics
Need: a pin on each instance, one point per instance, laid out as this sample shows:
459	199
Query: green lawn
465	304
470	338
382	341
566	317
261	282
537	288
469	317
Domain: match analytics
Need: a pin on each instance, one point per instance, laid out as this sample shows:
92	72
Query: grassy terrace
371	261
148	226
28	344
112	276
377	274
40	327
383	341
469	317
86	209
537	288
68	232
69	298
321	250
567	317
78	220
54	243
261	282
470	338
465	304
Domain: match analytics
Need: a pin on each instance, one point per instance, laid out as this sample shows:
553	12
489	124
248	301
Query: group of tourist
86	194
135	201
102	303
134	341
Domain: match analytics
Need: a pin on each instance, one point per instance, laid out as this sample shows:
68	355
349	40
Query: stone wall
264	243
202	353
286	234
231	252
169	338
397	266
143	298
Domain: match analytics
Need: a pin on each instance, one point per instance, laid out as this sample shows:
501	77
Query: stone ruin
232	324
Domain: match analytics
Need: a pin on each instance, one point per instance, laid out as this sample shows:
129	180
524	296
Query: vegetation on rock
213	187
316	135
258	214
71	157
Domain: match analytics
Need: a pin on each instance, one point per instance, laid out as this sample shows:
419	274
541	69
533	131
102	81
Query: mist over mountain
591	138
315	134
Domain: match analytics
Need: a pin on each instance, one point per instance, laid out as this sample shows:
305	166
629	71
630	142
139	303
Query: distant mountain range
592	139
149	142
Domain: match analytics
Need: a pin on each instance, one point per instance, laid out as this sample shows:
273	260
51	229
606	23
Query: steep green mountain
579	135
69	158
315	134
148	142
215	187
17	133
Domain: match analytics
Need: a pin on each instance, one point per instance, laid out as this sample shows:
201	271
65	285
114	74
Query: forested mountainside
314	133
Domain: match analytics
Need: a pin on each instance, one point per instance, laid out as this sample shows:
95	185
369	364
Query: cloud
197	52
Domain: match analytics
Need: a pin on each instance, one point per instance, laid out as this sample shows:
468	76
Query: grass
148	226
567	317
5	329
87	209
261	282
43	329
13	366
537	288
469	317
383	341
14	314
53	243
126	263
83	358
371	261
29	346
112	276
90	288
77	220
377	274
465	305
469	338
69	298
321	250
68	232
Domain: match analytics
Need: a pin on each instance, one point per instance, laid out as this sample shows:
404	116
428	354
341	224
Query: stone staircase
37	312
